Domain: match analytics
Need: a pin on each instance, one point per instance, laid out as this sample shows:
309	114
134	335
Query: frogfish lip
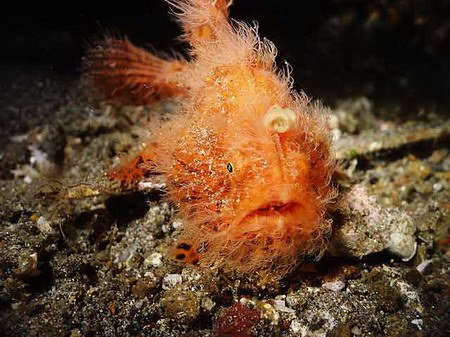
272	209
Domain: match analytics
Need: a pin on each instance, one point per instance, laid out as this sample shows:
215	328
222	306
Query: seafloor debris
368	228
375	142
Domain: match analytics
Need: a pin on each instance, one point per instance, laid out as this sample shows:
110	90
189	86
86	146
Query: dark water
390	51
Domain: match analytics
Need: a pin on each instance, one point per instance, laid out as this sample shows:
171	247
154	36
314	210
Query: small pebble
270	313
43	225
417	322
280	305
171	280
177	224
437	187
154	260
356	331
296	327
423	266
337	285
208	304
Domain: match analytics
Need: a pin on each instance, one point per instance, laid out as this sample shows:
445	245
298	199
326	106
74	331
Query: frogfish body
247	160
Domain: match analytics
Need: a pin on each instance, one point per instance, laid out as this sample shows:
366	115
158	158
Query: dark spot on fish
184	246
180	256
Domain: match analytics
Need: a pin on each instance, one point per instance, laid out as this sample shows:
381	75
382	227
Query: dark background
390	51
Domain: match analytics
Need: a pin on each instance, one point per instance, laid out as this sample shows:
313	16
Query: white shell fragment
171	280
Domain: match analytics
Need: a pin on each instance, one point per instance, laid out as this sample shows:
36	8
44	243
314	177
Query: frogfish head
255	192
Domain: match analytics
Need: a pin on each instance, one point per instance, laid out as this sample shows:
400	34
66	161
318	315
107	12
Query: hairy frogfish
247	160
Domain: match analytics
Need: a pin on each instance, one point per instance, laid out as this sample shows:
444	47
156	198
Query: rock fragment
368	228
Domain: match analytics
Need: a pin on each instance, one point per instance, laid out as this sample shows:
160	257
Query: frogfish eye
230	167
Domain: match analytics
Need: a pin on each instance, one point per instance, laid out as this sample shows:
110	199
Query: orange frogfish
247	159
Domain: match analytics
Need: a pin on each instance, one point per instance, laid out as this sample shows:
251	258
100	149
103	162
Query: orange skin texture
252	199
